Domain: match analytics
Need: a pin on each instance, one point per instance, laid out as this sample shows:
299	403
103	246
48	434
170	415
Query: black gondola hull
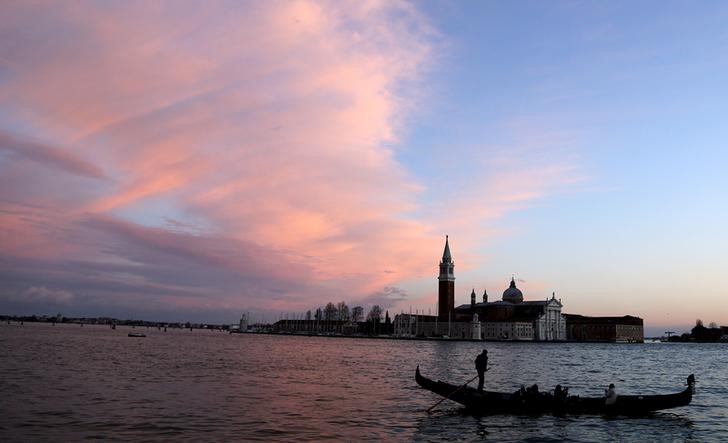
489	402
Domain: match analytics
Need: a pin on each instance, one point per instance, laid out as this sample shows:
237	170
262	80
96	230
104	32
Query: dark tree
357	314
699	332
375	317
330	312
375	314
343	311
388	327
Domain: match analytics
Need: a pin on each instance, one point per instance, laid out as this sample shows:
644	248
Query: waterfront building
420	325
605	329
510	318
243	325
513	318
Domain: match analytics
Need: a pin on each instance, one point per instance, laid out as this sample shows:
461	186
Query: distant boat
136	334
488	402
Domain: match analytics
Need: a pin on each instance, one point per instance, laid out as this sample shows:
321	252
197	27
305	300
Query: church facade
511	318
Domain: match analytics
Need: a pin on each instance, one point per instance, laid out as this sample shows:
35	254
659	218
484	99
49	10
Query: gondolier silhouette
481	365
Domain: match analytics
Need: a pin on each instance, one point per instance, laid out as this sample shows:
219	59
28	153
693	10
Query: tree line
701	333
342	312
341	318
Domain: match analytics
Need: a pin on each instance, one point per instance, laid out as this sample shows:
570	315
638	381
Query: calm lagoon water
70	383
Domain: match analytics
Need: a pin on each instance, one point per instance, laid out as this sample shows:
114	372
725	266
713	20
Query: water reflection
460	425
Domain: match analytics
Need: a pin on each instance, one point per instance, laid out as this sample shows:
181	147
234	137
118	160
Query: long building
626	328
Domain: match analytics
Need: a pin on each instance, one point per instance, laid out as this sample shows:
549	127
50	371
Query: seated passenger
520	392
532	391
610	395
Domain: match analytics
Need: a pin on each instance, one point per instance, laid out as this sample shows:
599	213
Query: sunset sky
191	161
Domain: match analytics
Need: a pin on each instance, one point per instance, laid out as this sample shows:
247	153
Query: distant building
330	327
243	325
511	318
605	329
419	325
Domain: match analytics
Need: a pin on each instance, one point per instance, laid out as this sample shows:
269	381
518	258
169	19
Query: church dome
513	294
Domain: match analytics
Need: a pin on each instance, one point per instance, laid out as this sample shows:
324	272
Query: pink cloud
263	131
39	152
267	122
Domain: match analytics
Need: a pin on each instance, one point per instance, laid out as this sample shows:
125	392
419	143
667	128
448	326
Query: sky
192	161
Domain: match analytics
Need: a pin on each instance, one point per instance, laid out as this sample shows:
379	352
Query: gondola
529	402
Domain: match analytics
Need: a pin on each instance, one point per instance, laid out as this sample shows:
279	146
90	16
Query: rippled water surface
68	383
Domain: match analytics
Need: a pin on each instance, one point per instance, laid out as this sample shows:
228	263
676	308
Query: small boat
520	402
136	334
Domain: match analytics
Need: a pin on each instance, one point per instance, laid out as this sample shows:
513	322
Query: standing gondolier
481	365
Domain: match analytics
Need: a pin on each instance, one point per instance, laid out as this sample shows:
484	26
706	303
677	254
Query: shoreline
443	339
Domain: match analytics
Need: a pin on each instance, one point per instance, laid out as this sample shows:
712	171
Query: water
69	383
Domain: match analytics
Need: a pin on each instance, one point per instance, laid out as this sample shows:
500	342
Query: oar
453	392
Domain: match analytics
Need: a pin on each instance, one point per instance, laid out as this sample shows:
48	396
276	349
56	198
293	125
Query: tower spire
446	257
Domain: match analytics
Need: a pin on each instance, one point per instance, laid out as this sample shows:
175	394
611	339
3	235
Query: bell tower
446	280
